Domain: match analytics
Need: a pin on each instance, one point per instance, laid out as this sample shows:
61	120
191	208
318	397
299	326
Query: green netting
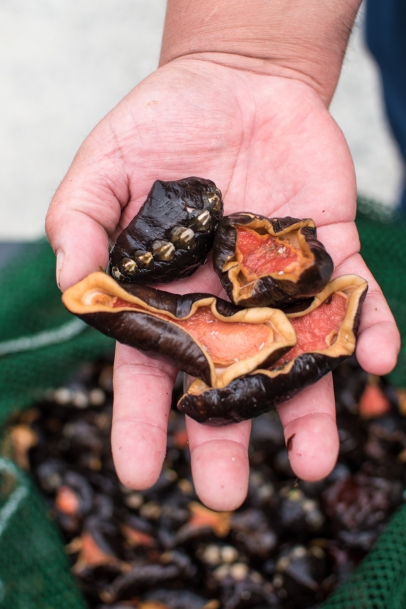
34	572
383	247
379	582
41	345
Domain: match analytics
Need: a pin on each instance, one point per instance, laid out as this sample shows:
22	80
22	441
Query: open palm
272	148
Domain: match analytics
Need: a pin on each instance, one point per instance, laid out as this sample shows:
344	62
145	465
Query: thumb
83	213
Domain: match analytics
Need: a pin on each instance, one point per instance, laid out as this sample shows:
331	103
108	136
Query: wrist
305	40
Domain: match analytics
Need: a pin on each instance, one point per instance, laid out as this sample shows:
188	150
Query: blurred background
65	64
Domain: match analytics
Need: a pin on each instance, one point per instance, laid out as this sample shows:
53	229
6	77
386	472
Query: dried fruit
373	402
324	340
176	327
281	550
269	262
171	235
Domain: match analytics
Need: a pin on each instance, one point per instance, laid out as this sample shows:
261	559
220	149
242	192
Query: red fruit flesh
265	254
314	331
226	342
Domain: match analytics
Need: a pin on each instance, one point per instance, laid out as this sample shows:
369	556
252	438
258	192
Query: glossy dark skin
251	395
163	338
159	338
170	205
271	291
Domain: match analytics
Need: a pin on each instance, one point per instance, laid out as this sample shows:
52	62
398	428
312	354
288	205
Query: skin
253	117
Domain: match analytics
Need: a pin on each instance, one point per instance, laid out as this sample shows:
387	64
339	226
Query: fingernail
59	263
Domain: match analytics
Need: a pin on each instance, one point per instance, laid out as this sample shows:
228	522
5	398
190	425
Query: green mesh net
383	248
379	582
41	345
34	572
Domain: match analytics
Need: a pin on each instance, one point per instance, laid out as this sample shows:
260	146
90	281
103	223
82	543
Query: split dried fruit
171	235
269	262
326	334
200	334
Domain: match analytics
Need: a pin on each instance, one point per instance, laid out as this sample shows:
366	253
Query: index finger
142	400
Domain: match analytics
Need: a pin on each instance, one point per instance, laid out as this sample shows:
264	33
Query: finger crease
136	421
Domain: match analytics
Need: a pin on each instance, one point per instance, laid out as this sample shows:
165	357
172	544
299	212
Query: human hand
270	145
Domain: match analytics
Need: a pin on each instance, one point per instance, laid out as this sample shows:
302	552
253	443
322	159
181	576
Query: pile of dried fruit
288	547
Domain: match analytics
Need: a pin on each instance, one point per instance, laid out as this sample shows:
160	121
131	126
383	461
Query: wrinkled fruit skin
161	338
171	235
253	394
271	291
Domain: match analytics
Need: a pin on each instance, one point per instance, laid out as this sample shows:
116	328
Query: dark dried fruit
269	262
202	335
358	505
171	235
277	554
332	319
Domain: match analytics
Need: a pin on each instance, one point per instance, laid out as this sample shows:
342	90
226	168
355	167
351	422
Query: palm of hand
272	148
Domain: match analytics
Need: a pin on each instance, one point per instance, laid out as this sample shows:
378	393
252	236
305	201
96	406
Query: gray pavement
64	64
